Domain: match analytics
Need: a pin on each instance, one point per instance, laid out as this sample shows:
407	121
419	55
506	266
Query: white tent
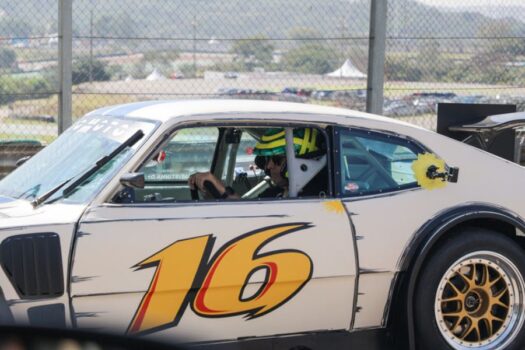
347	70
155	75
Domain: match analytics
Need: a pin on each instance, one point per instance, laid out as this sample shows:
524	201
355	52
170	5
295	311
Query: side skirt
374	339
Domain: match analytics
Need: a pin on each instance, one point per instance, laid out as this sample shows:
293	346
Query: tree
304	33
7	58
431	62
10	27
309	58
509	42
254	52
402	69
14	88
163	61
86	70
121	26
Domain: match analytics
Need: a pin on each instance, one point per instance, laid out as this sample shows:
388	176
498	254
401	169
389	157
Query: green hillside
233	19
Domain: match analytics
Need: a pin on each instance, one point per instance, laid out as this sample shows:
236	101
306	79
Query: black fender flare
426	237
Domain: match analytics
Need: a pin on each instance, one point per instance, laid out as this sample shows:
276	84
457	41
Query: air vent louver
33	264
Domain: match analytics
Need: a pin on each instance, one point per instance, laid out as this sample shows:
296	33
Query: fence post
65	55
376	56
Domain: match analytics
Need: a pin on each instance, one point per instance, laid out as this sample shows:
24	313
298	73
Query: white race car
369	227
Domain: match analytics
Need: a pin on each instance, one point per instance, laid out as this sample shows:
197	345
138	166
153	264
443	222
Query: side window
189	151
240	163
374	163
243	161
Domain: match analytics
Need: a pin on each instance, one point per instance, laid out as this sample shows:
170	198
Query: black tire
470	294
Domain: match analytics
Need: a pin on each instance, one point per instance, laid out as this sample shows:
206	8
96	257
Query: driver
271	156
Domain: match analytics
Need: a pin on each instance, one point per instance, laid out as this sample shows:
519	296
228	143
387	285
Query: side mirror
450	175
432	172
133	180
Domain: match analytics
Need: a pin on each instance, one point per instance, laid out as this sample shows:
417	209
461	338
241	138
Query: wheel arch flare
428	238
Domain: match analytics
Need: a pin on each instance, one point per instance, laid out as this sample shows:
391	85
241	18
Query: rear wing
497	129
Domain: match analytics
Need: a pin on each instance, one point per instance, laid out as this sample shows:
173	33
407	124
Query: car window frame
381	134
166	138
323	127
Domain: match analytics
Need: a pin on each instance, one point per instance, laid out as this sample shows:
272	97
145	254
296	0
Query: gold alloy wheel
479	302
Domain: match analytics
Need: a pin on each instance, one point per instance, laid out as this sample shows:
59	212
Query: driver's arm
197	181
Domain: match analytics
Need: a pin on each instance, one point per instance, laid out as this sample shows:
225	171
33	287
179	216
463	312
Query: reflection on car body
383	224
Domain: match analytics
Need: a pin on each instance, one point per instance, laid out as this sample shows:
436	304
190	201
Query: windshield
73	153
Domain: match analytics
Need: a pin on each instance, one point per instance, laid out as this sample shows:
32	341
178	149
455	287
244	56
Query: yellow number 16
183	277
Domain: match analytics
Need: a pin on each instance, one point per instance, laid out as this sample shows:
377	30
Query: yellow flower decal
420	168
335	206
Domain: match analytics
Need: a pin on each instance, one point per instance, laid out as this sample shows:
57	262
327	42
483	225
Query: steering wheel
194	194
209	188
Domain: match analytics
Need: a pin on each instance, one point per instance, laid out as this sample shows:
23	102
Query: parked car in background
231	75
399	108
383	227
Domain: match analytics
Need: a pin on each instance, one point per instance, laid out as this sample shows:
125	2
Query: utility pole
376	57
343	36
91	42
194	25
65	54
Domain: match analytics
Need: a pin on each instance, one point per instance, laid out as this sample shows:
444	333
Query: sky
474	3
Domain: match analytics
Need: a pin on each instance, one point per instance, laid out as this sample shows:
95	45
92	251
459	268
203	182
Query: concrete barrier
12	151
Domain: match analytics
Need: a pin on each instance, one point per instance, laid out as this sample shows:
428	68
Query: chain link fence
296	50
28	79
471	51
215	49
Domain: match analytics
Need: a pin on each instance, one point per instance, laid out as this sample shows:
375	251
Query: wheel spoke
454	288
485	276
498	302
488	324
472	327
466	331
496	280
500	293
452	313
455	324
460	314
469	281
450	299
478	332
491	318
474	278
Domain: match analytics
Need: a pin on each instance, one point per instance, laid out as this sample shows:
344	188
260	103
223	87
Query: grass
82	104
21	121
45	139
455	56
340	87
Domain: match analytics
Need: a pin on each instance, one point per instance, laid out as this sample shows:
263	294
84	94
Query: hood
11	207
16	212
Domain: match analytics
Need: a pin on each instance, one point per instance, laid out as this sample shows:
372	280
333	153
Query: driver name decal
186	276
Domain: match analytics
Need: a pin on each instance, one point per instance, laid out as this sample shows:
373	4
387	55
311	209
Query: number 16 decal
183	277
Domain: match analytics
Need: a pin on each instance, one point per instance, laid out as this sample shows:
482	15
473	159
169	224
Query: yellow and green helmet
273	142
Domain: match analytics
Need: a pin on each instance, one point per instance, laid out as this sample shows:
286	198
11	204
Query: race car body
378	222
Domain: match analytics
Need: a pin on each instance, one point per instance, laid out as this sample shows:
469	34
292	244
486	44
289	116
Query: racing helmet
273	142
